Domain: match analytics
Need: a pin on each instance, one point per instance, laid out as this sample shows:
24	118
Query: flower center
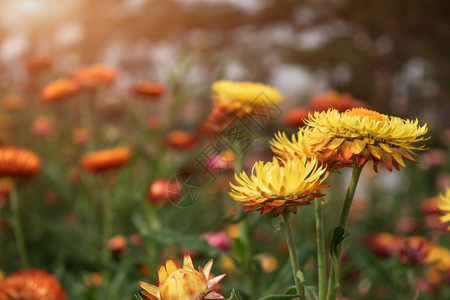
366	113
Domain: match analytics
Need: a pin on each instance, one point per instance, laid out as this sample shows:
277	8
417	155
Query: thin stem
17	228
86	117
333	280
293	256
321	258
107	215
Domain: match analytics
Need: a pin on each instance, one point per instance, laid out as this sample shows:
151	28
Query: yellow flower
365	134
183	284
299	146
444	206
279	185
244	97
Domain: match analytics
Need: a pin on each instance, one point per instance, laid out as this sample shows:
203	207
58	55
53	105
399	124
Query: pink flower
218	240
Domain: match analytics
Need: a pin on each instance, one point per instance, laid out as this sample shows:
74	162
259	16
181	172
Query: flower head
180	139
106	159
38	62
42	126
94	75
148	88
12	102
296	116
183	283
32	284
444	207
18	162
163	190
333	99
59	89
244	97
365	134
279	185
300	146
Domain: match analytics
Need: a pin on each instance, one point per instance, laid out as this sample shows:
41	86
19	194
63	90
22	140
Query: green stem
107	216
333	280
17	228
299	284
321	258
86	117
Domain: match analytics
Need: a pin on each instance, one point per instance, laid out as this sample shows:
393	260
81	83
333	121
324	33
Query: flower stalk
17	228
333	280
320	241
298	275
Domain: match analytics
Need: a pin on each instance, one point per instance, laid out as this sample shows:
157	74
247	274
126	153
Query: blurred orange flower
148	88
180	139
59	89
12	102
106	159
163	190
333	99
18	162
42	126
80	136
295	116
92	280
32	284
154	122
94	75
38	62
117	243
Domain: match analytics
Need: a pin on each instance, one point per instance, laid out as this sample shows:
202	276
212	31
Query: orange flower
106	159
163	190
180	139
59	89
38	62
42	126
148	88
18	162
12	102
92	280
32	284
94	75
117	243
333	99
80	136
296	116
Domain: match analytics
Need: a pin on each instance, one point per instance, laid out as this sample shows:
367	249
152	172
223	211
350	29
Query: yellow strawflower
365	134
243	97
444	206
279	185
183	284
300	146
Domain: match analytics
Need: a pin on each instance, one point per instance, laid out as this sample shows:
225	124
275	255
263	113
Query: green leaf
234	296
338	236
276	297
138	297
311	292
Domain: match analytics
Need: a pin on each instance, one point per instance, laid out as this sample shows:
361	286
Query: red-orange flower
94	75
333	99
12	102
33	284
18	162
148	88
163	190
106	159
38	62
180	139
296	116
59	89
42	126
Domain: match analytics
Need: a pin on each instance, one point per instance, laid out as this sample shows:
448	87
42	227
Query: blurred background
391	54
